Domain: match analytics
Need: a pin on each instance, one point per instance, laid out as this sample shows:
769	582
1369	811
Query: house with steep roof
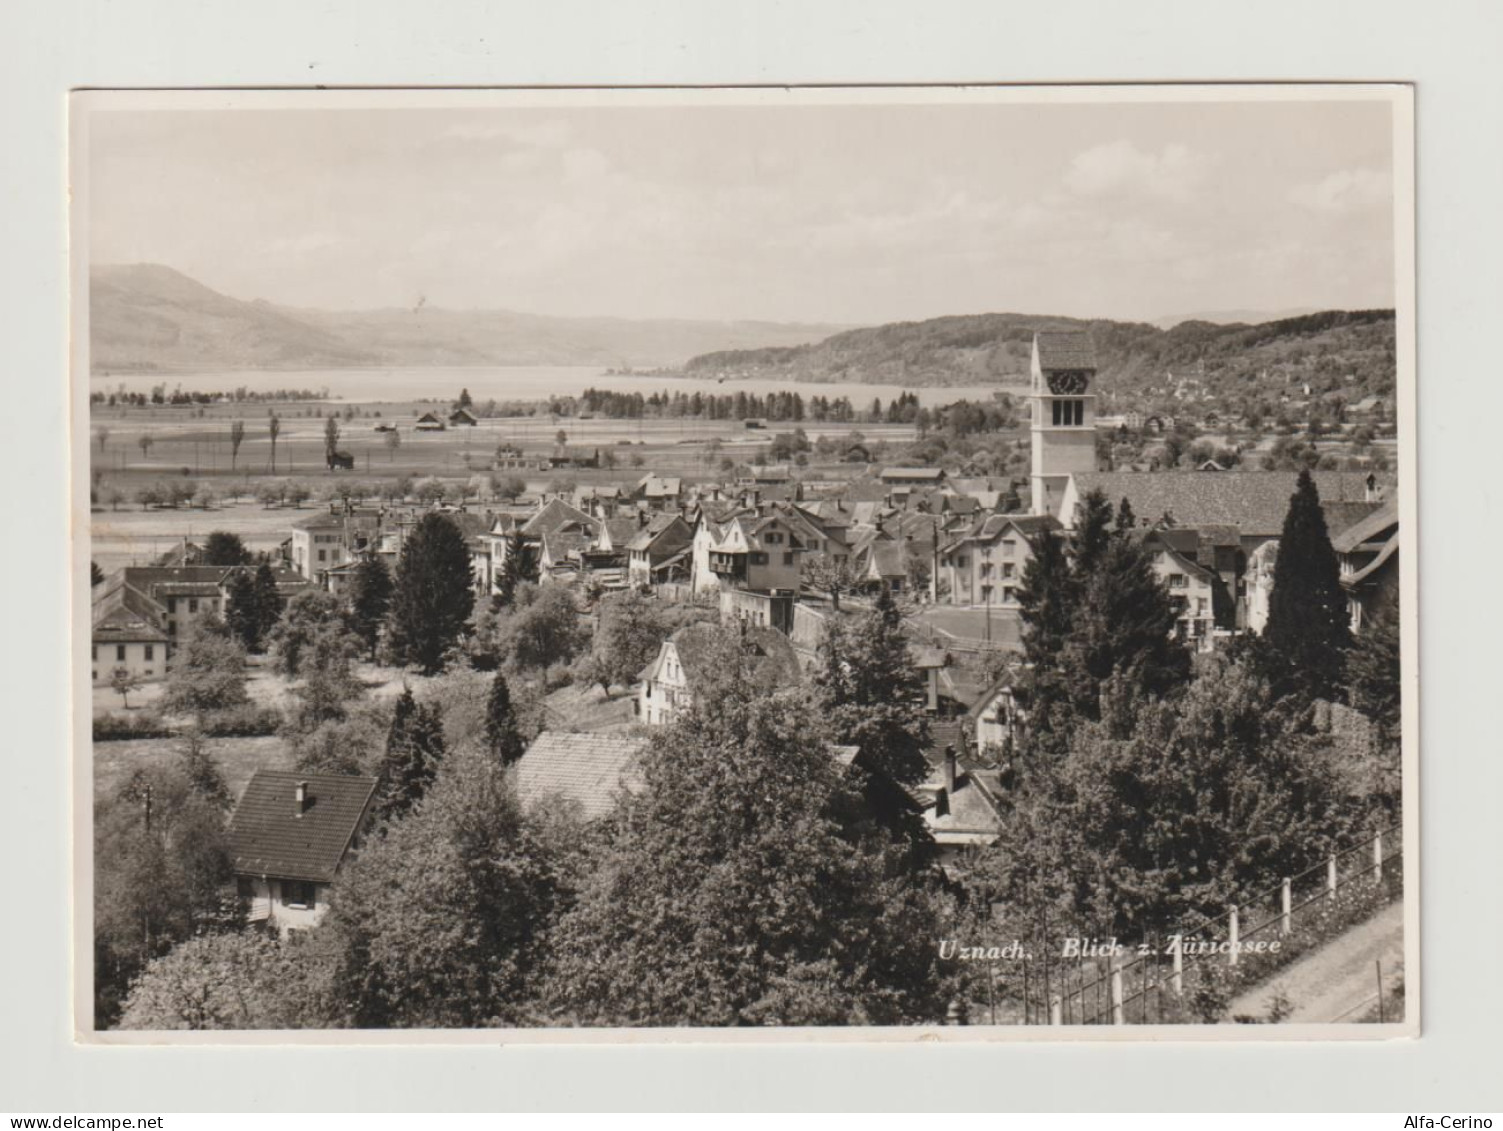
128	631
984	565
659	491
760	552
1368	555
428	422
1192	590
586	772
961	808
289	836
660	551
666	687
463	416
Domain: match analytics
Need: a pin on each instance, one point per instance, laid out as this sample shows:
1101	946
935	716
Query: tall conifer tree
1308	631
433	596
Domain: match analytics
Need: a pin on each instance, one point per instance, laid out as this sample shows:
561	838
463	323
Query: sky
854	214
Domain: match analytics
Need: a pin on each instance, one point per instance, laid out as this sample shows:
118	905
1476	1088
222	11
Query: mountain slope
1330	349
149	318
145	318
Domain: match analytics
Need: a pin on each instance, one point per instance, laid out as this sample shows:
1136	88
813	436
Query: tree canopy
725	893
433	596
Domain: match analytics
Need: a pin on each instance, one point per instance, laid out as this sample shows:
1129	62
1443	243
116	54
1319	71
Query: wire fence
1155	980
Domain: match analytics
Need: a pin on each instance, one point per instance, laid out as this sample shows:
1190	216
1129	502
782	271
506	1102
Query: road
1333	982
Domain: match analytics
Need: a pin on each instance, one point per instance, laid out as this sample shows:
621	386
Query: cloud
1121	168
1345	191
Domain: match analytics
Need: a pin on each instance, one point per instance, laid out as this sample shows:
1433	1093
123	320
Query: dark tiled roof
1255	502
268	837
555	513
1065	349
913	473
589	769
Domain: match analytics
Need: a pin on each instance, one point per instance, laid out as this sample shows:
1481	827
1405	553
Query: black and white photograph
839	563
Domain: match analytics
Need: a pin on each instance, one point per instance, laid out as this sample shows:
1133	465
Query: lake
523	383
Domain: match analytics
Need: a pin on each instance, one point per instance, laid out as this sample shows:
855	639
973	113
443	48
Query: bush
247	721
118	728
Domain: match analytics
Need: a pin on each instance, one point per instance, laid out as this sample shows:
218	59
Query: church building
1063	395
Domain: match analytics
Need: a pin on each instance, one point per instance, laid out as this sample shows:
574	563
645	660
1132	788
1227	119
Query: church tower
1063	397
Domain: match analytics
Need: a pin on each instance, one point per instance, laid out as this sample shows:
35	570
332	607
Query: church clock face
1067	384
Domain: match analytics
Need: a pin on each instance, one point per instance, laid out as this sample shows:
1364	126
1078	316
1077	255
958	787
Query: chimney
300	797
951	769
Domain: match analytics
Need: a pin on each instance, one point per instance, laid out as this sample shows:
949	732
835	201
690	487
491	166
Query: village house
463	416
128	632
564	456
996	719
289	836
961	808
1191	591
912	476
334	537
754	552
659	492
666	684
984	566
428	422
1368	555
659	551
585	773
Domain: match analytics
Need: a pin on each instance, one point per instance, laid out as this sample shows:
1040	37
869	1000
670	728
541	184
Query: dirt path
1330	983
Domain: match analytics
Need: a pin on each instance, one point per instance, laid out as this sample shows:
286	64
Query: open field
238	759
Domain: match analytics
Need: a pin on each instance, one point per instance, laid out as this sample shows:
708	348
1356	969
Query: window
1068	412
193	604
120	652
323	555
1010	547
788	557
151	652
298	893
1178	581
172	604
1008	569
757	558
94	655
772	538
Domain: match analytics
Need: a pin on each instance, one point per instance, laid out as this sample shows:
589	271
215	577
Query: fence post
1056	1011
1119	1016
1232	933
1378	858
1286	901
1331	876
1177	979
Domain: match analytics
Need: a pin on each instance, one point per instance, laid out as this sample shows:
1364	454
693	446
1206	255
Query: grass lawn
238	758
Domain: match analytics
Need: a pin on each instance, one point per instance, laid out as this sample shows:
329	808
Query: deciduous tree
725	893
440	923
207	672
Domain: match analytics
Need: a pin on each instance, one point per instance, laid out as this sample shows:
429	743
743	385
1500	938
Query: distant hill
1225	317
147	318
1332	349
